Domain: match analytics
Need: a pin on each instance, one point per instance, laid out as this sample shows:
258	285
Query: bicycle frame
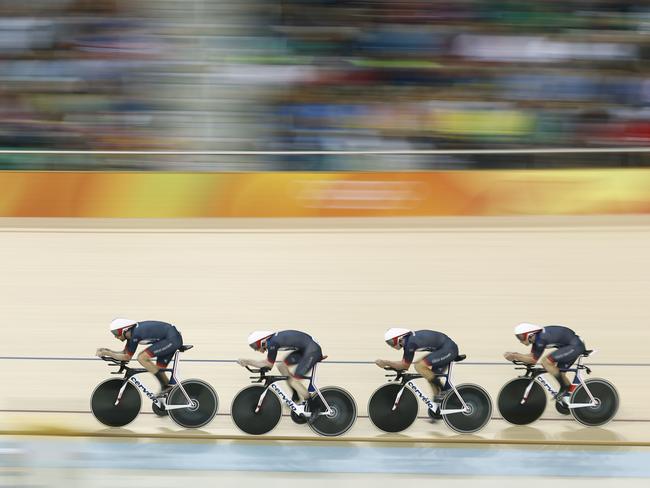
130	377
425	399
538	375
298	409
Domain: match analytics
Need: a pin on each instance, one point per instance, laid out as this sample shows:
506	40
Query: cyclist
442	351
568	347
306	352
164	341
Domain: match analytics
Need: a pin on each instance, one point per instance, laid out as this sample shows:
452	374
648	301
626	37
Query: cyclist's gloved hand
381	363
510	356
102	351
243	362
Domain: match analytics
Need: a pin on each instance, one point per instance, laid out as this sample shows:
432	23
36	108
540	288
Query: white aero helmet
524	330
118	325
393	335
255	338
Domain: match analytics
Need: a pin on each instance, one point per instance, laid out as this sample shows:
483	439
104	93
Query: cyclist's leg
430	372
164	351
161	363
145	359
284	368
436	380
562	358
307	361
423	367
436	363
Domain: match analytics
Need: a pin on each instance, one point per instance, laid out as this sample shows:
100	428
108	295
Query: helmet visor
258	345
119	333
394	342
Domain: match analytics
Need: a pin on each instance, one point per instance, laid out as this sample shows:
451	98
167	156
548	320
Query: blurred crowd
321	75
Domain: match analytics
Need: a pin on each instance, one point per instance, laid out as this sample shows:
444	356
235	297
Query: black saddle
459	358
185	347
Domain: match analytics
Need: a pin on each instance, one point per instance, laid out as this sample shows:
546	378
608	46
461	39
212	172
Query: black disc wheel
606	402
103	398
203	404
382	413
245	416
562	408
477	409
510	401
340	416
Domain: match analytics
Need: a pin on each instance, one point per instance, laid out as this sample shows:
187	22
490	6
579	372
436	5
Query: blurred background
296	75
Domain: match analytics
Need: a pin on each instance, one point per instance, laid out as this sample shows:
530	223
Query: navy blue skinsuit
443	349
165	340
306	351
568	343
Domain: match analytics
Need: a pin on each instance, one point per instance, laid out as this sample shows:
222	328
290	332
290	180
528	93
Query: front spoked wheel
247	419
511	397
478	409
387	418
102	403
606	405
203	408
342	412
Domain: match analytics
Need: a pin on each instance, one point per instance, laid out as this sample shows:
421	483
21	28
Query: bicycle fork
121	392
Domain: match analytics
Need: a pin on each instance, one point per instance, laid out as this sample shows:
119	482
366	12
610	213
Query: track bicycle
256	409
465	408
116	402
591	402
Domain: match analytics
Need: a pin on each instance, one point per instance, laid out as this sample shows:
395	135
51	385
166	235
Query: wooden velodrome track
344	281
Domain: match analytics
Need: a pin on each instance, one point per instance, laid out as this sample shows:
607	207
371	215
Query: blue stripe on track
298	457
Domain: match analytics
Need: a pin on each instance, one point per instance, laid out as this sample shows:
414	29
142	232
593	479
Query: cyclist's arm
126	354
524	358
255	363
261	363
398	365
119	355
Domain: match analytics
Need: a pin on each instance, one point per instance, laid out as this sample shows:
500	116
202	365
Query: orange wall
275	194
